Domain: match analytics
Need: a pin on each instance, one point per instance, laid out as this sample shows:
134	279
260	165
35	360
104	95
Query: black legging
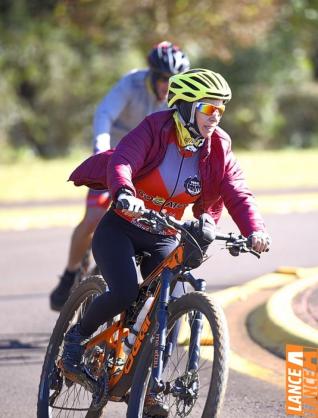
114	246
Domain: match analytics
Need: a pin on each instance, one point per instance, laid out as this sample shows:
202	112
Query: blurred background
58	58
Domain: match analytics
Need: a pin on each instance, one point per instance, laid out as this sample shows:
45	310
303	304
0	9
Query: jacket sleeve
130	157
108	111
238	198
92	172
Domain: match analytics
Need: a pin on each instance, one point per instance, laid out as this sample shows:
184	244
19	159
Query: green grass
36	179
23	218
280	169
46	180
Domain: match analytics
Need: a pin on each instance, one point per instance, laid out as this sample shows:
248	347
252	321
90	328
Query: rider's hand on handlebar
130	205
260	241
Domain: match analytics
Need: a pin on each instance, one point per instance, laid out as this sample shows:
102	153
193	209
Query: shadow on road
22	349
5	298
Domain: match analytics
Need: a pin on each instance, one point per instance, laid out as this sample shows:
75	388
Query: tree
204	27
59	57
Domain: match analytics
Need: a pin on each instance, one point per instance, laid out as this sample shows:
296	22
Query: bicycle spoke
188	390
63	398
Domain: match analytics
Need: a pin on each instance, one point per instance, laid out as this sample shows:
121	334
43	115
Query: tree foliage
207	27
59	57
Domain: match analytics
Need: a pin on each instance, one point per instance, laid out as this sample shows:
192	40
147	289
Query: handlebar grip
223	237
230	237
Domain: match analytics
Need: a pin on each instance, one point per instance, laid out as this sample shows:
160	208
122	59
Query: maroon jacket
143	149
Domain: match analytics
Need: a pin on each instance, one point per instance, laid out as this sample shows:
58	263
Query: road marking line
249	368
289	322
225	297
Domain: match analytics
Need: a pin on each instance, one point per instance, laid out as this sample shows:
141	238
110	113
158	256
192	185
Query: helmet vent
175	85
201	81
219	80
187	93
192	86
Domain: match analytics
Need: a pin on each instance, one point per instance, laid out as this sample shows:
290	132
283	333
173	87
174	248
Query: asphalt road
31	261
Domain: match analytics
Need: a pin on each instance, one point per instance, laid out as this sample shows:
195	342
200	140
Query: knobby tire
90	287
195	301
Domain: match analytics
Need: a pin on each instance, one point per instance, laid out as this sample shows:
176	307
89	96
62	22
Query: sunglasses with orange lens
208	108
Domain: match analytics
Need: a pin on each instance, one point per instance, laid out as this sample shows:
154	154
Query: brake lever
250	250
255	253
241	246
247	249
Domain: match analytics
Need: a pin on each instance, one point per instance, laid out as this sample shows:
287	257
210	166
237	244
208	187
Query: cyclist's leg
114	252
96	206
82	236
114	246
97	203
161	248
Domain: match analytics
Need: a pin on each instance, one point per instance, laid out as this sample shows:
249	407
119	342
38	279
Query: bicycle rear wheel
58	397
198	392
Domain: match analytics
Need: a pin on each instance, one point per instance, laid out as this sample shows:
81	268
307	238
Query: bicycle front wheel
57	396
195	368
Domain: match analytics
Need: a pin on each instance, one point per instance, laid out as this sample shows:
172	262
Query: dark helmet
168	58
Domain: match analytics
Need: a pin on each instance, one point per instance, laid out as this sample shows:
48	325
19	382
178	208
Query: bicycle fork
162	348
196	327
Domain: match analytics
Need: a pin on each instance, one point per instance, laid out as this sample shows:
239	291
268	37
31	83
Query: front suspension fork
162	350
160	337
196	326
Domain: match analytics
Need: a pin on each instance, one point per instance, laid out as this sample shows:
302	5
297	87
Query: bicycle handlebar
236	244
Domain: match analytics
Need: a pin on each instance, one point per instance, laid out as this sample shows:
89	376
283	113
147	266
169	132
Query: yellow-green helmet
197	84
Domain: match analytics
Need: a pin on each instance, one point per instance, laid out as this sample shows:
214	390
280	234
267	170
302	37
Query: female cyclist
173	158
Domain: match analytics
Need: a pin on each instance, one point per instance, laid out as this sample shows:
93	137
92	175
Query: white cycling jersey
129	101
